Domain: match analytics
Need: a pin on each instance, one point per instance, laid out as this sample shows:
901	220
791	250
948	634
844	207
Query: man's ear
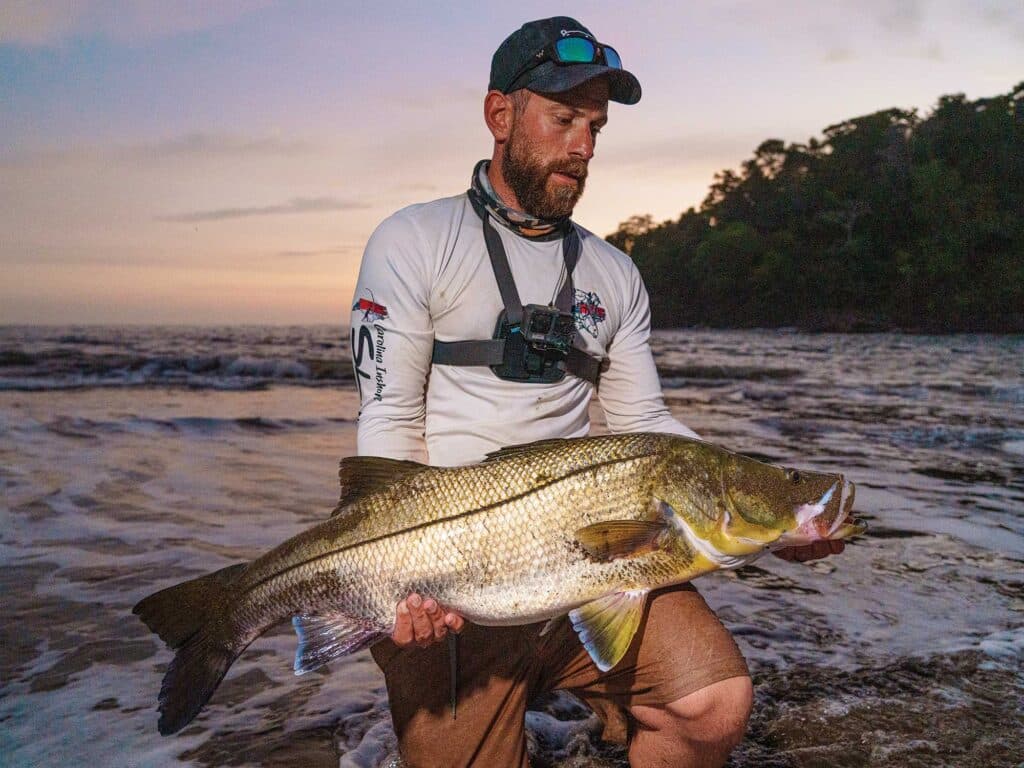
498	114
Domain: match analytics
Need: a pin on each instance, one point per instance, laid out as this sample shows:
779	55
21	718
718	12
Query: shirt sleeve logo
372	311
587	311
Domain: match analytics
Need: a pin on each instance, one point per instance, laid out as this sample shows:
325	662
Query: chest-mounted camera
535	350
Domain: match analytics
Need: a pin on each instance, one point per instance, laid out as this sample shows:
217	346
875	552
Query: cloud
674	154
419	186
295	205
340	250
445	95
1006	15
45	23
206	145
30	23
838	55
196	146
905	17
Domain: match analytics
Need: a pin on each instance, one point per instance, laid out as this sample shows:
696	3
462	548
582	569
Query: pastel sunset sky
225	162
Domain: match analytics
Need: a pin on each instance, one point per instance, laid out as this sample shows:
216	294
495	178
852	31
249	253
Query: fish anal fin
606	626
551	624
612	539
326	637
364	475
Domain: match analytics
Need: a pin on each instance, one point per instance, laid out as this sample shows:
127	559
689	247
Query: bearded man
489	319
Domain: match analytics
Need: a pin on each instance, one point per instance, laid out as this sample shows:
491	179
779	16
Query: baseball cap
511	65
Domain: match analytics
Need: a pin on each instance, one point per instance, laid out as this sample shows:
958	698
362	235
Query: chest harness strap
533	343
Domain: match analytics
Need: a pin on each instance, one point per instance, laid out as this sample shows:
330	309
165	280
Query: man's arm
392	340
392	343
630	391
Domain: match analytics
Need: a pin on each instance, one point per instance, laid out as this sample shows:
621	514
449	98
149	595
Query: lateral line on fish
476	510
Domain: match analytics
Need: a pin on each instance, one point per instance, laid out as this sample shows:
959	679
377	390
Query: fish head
730	507
783	506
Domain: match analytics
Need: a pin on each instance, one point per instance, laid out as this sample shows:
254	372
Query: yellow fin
613	539
606	626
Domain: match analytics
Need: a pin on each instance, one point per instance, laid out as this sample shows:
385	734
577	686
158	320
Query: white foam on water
1004	648
1014	446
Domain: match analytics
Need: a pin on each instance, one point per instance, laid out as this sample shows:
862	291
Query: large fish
583	526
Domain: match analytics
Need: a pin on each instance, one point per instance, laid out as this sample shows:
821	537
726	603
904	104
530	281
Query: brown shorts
680	647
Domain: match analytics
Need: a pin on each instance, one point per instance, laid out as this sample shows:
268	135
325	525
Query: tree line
890	220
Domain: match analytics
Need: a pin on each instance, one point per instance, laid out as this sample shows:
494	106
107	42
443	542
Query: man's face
552	140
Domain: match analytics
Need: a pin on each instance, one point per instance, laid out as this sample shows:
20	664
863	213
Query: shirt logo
588	312
372	311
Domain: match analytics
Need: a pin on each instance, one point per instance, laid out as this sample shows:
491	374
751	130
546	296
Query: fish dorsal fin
612	539
363	475
606	626
328	636
516	450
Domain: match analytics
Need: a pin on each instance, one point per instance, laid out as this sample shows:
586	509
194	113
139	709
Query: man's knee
717	713
714	715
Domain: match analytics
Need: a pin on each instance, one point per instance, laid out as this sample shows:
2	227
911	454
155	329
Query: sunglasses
570	50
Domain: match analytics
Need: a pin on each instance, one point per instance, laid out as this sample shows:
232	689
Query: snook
585	527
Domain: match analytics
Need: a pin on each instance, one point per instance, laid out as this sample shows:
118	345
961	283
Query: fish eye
793	475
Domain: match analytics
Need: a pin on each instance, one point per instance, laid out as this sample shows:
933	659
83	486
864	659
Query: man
441	380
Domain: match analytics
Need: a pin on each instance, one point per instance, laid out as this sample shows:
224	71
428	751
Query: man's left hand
808	552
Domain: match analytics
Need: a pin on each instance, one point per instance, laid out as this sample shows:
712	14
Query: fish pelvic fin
364	475
328	636
184	616
607	625
612	539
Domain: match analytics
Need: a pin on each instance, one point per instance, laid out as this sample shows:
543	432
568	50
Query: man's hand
423	622
808	552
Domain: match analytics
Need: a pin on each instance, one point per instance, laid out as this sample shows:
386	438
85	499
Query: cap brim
550	77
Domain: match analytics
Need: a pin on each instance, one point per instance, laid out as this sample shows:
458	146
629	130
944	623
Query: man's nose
582	143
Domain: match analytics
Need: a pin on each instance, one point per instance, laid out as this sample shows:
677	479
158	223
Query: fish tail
188	617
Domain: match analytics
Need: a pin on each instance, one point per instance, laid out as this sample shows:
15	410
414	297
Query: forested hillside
890	220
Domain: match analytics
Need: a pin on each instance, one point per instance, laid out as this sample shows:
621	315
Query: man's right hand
423	622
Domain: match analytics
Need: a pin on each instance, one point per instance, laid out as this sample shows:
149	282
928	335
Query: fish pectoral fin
606	626
613	539
363	475
328	636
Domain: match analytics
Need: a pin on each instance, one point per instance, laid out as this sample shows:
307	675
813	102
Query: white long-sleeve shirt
426	274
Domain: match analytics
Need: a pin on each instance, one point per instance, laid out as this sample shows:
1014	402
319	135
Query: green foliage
889	221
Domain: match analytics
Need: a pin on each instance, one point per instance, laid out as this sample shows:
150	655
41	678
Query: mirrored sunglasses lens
575	50
611	58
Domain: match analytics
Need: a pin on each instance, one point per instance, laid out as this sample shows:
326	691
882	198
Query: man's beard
528	177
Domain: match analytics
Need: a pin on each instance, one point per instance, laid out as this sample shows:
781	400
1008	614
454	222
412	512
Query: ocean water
133	458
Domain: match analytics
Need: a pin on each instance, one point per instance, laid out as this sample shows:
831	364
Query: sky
225	162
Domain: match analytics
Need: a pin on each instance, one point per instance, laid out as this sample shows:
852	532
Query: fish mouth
830	517
846	524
